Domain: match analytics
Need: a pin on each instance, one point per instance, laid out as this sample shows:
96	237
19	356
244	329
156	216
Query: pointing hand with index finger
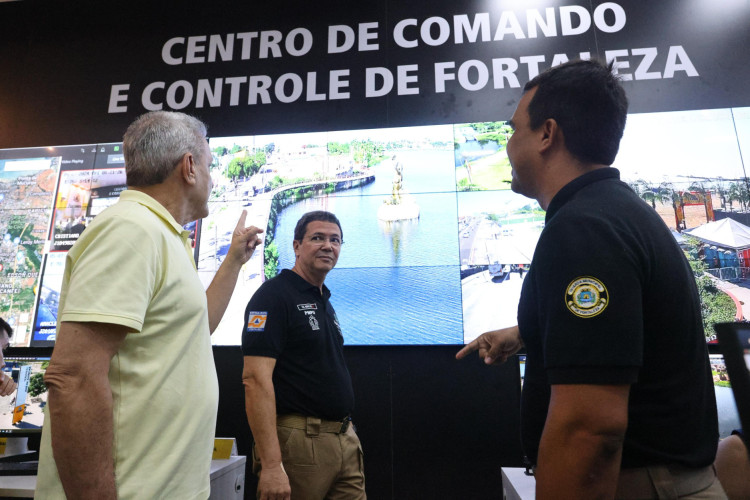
244	240
495	345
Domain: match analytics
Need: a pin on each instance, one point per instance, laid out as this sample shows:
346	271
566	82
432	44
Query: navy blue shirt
288	319
610	299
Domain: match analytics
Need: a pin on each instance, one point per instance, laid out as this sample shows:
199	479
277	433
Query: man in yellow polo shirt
133	391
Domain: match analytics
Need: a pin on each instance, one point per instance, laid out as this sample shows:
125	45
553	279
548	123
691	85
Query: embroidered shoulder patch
256	321
586	297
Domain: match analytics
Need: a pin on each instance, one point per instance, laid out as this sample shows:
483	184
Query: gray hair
155	142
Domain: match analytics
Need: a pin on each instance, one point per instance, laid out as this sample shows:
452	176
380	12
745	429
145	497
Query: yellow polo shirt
133	266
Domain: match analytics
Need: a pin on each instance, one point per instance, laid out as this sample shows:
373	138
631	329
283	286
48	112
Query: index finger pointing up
241	222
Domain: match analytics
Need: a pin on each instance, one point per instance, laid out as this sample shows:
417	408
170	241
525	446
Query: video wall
436	246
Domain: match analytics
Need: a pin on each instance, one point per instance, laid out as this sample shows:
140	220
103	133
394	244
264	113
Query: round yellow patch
586	297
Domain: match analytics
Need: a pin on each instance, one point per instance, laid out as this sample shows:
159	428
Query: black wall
59	61
430	426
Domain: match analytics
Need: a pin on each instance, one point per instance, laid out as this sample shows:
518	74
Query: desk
517	485
227	481
228	478
17	486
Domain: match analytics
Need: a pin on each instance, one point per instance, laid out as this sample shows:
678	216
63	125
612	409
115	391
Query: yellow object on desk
224	448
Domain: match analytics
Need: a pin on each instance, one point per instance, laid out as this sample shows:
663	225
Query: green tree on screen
36	385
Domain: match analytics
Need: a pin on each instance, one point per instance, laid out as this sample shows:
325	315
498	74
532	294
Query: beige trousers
320	464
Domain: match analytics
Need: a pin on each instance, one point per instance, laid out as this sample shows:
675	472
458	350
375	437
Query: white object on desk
228	478
227	481
517	485
15	446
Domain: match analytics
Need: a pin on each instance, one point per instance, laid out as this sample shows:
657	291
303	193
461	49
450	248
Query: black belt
314	425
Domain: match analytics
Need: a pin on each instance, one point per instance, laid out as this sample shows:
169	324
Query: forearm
577	462
220	291
260	406
244	242
82	437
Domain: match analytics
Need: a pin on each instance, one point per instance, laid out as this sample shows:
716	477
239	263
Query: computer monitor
729	419
21	413
734	342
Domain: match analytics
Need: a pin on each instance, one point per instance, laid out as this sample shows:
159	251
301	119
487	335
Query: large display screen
436	244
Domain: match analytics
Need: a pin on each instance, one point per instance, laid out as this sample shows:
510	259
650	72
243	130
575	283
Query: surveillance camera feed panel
734	343
21	413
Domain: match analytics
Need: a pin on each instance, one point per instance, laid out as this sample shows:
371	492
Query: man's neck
165	195
561	177
313	279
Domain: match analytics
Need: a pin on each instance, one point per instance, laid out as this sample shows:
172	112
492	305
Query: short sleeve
113	274
590	307
266	322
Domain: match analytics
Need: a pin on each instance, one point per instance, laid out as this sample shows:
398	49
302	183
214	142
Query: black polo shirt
611	299
289	320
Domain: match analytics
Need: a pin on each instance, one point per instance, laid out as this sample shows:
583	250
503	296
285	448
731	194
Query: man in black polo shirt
618	400
298	391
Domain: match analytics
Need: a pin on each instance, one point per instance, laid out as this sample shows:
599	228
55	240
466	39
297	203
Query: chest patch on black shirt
586	297
313	322
307	307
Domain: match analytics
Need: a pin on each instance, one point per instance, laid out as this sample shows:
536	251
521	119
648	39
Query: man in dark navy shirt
618	400
298	391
